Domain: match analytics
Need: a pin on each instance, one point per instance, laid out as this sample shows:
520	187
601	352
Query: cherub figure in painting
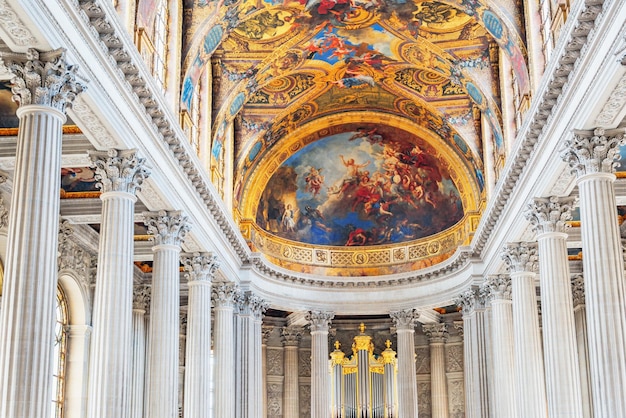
314	181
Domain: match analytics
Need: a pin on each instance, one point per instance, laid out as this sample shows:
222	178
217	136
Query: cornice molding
14	27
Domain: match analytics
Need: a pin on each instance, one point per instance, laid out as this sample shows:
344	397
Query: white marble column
497	290
43	84
291	341
320	368
407	382
223	296
141	303
580	320
437	336
200	269
521	259
549	217
266	331
120	174
472	304
168	230
256	307
592	156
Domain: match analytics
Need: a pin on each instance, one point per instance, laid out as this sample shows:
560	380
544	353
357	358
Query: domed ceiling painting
361	128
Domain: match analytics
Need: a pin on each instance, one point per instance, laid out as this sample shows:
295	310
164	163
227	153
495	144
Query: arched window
60	353
160	44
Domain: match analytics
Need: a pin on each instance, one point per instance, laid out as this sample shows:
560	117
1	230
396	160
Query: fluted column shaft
291	401
437	336
559	333
168	230
112	317
529	370
138	371
592	155
498	291
43	87
200	271
580	321
549	217
30	287
120	174
320	369
407	381
223	295
474	347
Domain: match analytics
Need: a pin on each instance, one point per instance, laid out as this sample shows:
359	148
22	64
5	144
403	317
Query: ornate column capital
520	257
252	305
224	294
469	301
141	297
43	78
319	321
291	336
497	287
200	267
70	255
589	152
550	214
118	170
266	331
166	227
436	333
578	289
458	325
406	319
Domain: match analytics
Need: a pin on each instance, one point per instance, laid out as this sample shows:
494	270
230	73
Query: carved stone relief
454	358
422	362
424	399
305	401
456	398
274	362
304	363
274	401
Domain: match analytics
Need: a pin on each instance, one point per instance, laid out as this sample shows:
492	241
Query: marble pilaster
497	290
266	331
437	336
320	376
141	304
200	270
521	259
580	321
223	296
592	156
472	304
168	230
407	383
291	337
43	84
120	173
549	217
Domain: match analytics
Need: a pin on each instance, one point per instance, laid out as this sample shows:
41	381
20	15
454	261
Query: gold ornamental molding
365	260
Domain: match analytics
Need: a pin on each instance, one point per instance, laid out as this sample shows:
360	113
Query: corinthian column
437	336
141	303
200	270
43	84
168	230
472	304
223	295
291	341
320	369
497	290
407	382
521	259
592	157
549	217
120	174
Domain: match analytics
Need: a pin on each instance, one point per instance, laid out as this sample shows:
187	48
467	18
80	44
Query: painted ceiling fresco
366	186
280	65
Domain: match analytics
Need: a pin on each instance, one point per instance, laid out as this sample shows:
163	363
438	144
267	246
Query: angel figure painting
368	186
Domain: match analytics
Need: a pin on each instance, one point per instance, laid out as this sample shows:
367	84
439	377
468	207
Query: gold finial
337	345
388	344
362	328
